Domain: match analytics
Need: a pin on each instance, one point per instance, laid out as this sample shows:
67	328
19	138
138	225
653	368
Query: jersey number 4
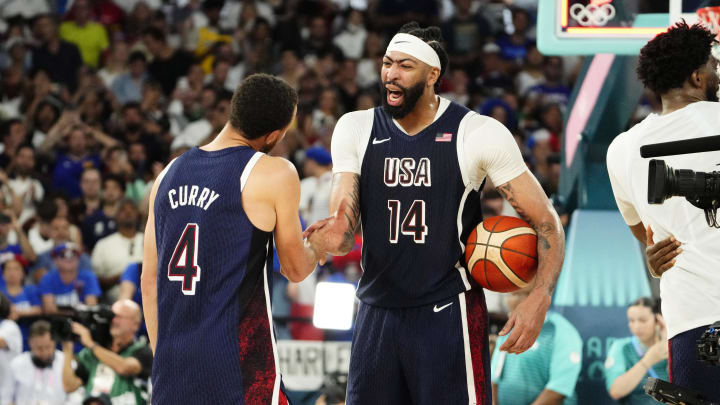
413	224
183	264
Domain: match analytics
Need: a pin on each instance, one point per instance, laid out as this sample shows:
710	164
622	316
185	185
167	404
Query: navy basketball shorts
428	355
689	372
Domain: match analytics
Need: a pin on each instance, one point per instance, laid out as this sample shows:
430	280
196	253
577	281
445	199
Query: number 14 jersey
215	340
420	197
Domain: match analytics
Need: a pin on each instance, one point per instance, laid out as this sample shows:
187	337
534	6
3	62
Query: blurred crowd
96	96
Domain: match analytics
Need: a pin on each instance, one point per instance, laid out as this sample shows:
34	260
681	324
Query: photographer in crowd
677	65
121	370
36	376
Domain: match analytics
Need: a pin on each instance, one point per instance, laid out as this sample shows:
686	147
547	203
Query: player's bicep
491	149
528	199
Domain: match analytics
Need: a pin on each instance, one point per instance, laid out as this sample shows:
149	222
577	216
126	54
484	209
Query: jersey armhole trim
162	174
248	169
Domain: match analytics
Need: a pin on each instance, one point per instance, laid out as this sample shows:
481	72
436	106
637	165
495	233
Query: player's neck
677	99
422	115
228	138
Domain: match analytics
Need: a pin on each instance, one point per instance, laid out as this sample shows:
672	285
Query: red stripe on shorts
477	330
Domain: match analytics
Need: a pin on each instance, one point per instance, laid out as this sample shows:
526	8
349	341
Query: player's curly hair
670	58
262	104
433	37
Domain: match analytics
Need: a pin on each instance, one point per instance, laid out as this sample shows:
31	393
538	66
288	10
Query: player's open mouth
394	97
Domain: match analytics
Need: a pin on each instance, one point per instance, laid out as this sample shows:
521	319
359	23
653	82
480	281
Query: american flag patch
443	137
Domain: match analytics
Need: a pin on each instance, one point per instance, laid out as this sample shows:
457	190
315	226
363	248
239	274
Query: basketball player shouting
678	66
411	171
208	256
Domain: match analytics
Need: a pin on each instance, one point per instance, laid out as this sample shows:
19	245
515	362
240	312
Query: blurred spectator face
355	19
553	69
221	114
45	29
208	98
17	52
77	141
132	116
46	117
552	118
261	31
63	208
117	162
42	348
152	94
348	72
520	20
195	76
67	265
128	216
16	134
90	183
137	67
119	53
310	168
126	320
220	71
4	228
13	273
112	192
25	161
463	6
92	107
642	322
60	230
13	81
534	57
141	12
137	154
153	45
499	114
81	9
542	149
318	29
328	101
365	102
289	61
460	81
374	45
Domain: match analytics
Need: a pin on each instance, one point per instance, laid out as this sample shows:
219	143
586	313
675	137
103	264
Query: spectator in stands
168	64
645	354
10	340
351	40
197	131
13	135
116	62
547	372
130	283
128	86
552	90
61	232
8	223
465	34
60	59
36	376
513	47
90	37
42	114
102	222
112	254
67	284
24	181
24	299
89	202
126	363
315	187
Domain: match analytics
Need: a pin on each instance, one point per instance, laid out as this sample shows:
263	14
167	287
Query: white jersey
689	291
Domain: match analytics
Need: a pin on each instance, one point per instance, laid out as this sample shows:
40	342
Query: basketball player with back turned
208	256
412	171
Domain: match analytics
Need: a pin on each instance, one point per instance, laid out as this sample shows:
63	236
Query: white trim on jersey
460	146
276	387
469	374
248	169
459	266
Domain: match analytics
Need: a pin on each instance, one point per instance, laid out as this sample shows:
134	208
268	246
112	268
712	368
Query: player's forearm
148	285
345	187
549	397
551	251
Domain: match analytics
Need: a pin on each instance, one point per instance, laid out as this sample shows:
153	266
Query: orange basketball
501	253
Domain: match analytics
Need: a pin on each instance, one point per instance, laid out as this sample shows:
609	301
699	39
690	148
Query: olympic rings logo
592	15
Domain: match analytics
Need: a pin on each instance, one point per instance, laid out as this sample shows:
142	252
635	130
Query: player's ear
433	75
697	78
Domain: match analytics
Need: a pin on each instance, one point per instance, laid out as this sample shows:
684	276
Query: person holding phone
644	354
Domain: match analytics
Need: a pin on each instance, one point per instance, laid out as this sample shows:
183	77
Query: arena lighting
334	303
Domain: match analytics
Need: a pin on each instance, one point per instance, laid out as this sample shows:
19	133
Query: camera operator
120	370
36	376
679	67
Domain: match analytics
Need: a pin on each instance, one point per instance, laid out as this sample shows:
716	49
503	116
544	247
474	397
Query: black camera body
708	345
96	318
668	393
701	189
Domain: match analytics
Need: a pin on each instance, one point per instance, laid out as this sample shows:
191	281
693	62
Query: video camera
701	189
96	318
668	393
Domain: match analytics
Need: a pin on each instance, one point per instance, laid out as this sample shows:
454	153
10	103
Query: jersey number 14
412	225
183	263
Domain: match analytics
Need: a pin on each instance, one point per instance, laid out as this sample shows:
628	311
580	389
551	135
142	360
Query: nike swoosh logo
436	309
377	141
401	42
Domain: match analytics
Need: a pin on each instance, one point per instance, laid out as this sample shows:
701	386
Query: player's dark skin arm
660	256
530	202
549	397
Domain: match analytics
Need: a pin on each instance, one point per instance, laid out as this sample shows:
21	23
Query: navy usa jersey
215	342
416	212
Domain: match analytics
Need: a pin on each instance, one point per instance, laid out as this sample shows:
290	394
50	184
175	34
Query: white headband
415	47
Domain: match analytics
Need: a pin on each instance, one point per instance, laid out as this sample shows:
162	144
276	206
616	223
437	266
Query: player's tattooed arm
352	213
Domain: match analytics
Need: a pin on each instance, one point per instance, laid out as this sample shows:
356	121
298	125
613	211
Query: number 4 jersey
215	340
420	197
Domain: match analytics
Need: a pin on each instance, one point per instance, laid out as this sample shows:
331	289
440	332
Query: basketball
501	253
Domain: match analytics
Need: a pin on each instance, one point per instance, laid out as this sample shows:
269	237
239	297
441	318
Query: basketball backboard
583	27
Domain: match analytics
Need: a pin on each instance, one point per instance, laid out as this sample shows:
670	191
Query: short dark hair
433	37
155	33
135	56
7	125
262	104
648	302
669	59
47	209
39	328
117	179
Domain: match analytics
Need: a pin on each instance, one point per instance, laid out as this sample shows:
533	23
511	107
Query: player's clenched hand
525	322
328	234
661	255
